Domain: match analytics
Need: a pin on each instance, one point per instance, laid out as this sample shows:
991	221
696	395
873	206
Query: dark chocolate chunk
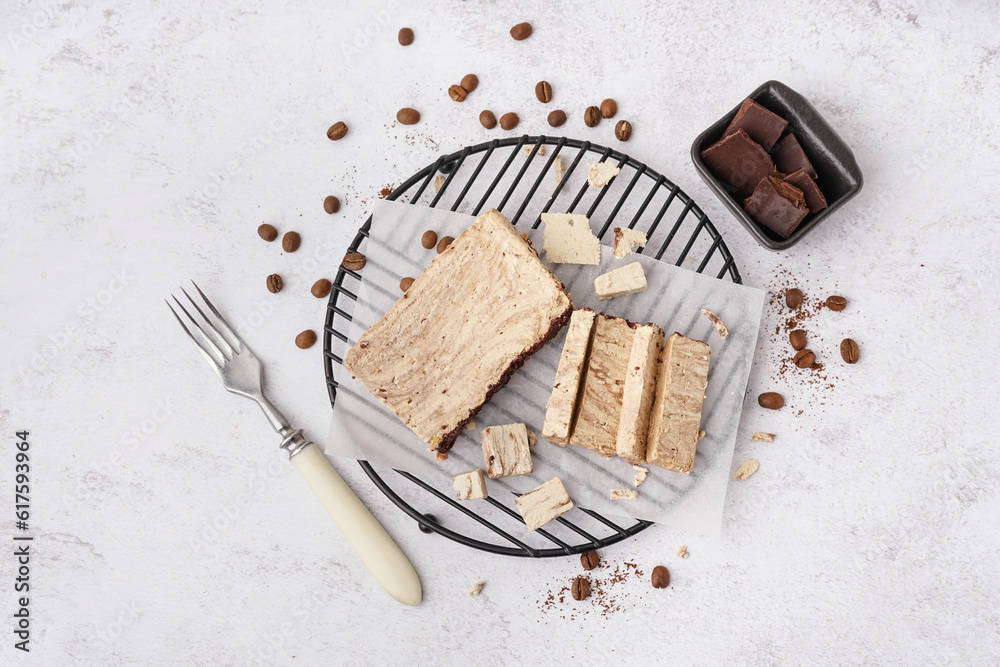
763	126
814	198
778	206
738	161
788	156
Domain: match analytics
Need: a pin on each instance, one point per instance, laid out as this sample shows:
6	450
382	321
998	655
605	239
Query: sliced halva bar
544	504
506	450
566	387
637	397
629	279
470	485
680	390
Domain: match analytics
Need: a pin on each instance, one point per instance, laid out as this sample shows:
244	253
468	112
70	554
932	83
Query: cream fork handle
367	537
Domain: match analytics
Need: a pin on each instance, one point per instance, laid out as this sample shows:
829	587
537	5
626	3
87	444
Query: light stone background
142	145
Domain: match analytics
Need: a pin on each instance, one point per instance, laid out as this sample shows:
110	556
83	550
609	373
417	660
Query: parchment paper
362	428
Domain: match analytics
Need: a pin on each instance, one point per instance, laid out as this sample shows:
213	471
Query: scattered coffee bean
623	130
804	358
405	283
771	400
274	283
592	116
509	121
354	261
543	91
470	82
793	298
321	288
521	31
836	303
336	131
580	589
267	232
291	241
405	36
557	118
798	339
444	243
331	204
849	350
661	577
429	239
609	108
306	339
457	93
589	560
487	119
408	116
424	529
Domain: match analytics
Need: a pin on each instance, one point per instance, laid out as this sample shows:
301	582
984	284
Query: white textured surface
150	143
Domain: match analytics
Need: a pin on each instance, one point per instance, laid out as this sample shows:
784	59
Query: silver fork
241	373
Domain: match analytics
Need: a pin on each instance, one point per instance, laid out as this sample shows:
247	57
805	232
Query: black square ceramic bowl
839	175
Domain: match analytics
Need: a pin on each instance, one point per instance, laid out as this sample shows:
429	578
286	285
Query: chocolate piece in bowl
761	125
476	313
788	156
814	197
738	161
777	205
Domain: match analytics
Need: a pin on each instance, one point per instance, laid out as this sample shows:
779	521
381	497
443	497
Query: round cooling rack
523	177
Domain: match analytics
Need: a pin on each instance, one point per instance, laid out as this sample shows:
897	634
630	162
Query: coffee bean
557	118
543	91
429	239
771	400
609	108
291	241
306	339
849	350
354	261
321	288
470	82
444	243
457	93
836	303
405	283
331	204
274	283
509	121
798	339
623	130
804	358
336	131
661	577
592	116
580	589
408	116
267	232
589	560
521	31
487	119
405	36
793	298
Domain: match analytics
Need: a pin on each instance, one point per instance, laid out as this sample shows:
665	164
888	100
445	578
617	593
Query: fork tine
221	359
218	337
222	321
211	361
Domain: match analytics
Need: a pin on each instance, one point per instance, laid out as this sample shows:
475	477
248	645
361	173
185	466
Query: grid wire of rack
512	190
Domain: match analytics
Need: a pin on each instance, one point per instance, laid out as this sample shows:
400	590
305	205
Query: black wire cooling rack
495	179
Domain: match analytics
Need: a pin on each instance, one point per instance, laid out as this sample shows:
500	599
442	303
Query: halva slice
506	450
567	239
629	279
544	504
637	396
569	375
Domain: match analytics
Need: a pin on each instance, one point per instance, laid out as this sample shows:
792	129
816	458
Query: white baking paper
362	428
